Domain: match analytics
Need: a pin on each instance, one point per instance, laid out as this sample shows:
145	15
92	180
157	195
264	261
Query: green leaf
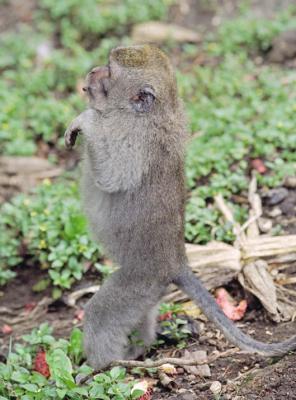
81	390
74	225
41	285
61	393
56	293
137	393
117	373
76	345
60	368
96	390
30	387
21	376
39	379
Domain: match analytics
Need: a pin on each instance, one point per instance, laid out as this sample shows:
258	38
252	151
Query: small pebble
216	387
187	396
275	212
290	182
227	396
275	196
264	224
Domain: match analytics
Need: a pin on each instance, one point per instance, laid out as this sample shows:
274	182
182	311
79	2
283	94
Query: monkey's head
138	80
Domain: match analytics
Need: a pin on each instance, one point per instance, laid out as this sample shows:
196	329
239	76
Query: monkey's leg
145	334
113	313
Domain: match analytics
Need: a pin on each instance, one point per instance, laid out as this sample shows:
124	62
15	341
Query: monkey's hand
81	124
71	135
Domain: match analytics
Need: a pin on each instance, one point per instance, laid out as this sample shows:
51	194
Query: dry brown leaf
166	381
191	309
168	369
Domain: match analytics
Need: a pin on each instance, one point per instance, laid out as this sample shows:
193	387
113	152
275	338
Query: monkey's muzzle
96	83
96	77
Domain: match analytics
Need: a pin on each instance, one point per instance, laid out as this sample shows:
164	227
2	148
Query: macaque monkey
134	194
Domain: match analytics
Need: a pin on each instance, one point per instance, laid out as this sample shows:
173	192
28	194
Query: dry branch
256	259
158	363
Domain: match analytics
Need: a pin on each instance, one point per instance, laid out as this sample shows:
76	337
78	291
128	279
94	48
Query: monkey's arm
116	163
192	286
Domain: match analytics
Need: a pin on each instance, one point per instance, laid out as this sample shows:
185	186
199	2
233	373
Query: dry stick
228	215
72	298
256	208
242	375
158	363
40	308
249	222
284	289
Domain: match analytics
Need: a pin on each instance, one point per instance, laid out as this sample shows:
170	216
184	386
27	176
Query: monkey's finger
70	137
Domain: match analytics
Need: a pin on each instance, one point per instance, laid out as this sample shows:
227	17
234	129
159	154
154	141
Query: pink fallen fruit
6	329
228	305
259	165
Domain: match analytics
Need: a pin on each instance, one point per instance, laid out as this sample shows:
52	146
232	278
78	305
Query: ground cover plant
42	62
240	109
49	229
44	368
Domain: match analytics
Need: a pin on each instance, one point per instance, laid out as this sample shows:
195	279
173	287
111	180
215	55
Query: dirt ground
243	377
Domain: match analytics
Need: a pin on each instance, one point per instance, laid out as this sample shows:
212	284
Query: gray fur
134	195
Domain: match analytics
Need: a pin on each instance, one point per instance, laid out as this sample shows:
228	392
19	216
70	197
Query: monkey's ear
143	100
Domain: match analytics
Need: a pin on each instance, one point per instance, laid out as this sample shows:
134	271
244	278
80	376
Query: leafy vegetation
173	326
247	33
42	64
50	229
238	110
239	107
45	368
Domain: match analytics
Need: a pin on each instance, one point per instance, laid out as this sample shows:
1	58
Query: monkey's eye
143	100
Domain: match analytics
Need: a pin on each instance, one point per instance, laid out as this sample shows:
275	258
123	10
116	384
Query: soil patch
246	376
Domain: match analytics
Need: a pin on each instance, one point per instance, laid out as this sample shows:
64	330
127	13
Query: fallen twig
25	317
72	298
168	360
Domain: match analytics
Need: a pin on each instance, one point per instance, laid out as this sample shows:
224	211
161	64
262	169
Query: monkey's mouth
97	78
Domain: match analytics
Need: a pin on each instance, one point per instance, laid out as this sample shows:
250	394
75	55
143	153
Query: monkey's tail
193	287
